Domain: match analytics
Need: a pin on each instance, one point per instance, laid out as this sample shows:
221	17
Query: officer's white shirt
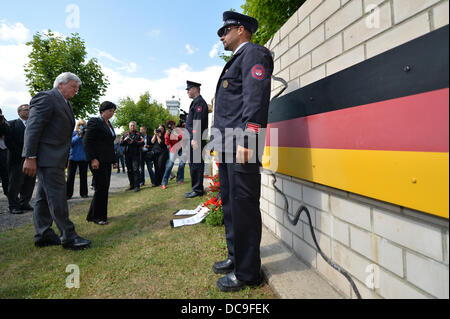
240	47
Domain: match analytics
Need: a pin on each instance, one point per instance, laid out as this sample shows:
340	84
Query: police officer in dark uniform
196	124
242	104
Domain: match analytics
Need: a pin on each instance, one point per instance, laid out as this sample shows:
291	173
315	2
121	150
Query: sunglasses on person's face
228	29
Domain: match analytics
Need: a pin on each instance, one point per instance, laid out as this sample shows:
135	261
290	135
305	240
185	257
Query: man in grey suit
46	149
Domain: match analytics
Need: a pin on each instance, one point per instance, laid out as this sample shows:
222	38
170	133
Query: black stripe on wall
418	66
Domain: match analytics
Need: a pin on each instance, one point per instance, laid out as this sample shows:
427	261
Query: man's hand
95	164
243	154
29	167
115	165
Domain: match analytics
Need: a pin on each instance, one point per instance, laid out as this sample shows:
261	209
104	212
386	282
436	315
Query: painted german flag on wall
379	128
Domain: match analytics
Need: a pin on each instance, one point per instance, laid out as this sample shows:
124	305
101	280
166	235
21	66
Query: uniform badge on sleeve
253	127
198	109
258	72
225	84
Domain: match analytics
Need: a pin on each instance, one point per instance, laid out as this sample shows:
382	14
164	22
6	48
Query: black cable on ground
295	221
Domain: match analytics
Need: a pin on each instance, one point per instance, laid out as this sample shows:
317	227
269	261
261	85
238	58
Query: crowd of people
42	143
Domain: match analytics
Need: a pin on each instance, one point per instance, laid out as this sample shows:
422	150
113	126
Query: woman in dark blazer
99	147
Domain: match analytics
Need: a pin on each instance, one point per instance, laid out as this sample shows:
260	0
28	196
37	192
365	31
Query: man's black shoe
137	189
77	243
16	211
51	239
129	189
193	194
27	207
230	283
223	267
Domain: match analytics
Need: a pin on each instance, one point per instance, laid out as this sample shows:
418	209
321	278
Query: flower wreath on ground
214	202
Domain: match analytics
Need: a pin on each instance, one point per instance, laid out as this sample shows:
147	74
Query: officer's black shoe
223	267
27	207
193	194
49	239
137	189
77	243
16	211
230	283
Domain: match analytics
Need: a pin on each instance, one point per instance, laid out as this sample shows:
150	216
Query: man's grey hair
21	107
66	77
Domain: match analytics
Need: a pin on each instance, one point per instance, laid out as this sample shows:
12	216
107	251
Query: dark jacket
243	93
14	133
99	141
133	149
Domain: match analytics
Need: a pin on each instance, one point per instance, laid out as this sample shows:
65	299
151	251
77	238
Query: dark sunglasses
226	30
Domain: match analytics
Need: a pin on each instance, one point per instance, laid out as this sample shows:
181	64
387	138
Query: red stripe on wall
413	123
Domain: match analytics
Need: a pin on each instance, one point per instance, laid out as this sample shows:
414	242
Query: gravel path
119	181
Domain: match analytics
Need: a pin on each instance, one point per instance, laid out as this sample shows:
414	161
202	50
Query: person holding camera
77	159
146	158
133	142
173	139
159	153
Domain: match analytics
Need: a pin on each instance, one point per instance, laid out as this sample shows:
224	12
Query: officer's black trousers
240	188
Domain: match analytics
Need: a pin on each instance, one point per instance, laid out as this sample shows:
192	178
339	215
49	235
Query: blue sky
141	45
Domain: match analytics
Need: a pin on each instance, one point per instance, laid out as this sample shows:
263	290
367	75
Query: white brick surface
323	222
440	15
350	261
343	18
392	287
306	253
287	28
299	32
312	76
335	277
316	198
428	275
362	31
377	249
404	9
312	40
417	236
300	67
405	32
346	60
328	50
351	212
289	57
326	9
340	231
305	10
292	189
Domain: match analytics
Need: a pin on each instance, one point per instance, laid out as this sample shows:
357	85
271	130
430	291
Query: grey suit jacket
49	129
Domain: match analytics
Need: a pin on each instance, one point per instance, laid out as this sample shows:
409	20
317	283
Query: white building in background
173	106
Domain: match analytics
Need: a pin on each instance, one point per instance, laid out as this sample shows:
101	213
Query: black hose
295	221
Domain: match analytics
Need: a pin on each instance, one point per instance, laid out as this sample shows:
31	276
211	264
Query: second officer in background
196	124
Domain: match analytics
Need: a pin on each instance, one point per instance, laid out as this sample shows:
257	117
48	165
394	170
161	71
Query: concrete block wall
409	250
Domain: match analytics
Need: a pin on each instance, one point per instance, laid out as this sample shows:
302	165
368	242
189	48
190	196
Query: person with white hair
46	149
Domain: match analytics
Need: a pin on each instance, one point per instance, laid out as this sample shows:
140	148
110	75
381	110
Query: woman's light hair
80	122
66	77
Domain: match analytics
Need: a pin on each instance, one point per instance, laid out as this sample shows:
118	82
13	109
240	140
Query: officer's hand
29	167
243	154
194	144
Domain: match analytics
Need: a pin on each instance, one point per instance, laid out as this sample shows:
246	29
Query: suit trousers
240	190
133	163
51	204
71	171
21	186
98	210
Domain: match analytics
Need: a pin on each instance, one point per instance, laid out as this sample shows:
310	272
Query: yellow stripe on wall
417	180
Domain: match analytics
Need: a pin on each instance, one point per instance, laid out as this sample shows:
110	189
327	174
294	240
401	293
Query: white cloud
15	33
154	33
190	50
129	67
215	50
13	89
161	90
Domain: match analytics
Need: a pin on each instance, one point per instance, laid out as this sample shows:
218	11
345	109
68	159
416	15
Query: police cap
191	84
233	18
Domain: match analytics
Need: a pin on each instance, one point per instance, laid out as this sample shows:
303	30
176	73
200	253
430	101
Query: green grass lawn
138	255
